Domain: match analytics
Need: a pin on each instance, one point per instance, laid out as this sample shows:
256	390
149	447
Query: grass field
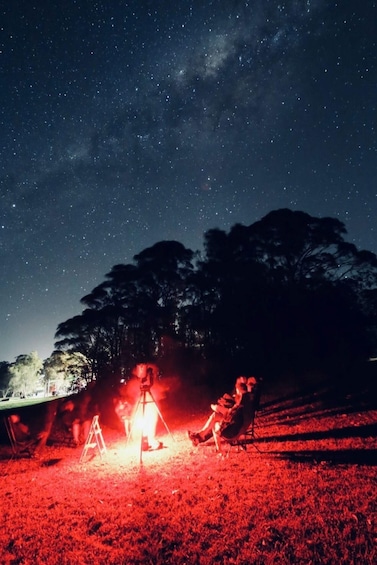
15	402
303	493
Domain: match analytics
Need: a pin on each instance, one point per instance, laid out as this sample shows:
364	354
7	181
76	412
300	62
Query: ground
303	492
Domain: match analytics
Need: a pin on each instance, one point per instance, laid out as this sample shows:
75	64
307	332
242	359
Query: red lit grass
308	497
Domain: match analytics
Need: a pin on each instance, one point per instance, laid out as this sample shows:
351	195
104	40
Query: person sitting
122	409
237	421
223	405
77	416
241	379
27	443
20	430
219	411
70	419
251	383
254	386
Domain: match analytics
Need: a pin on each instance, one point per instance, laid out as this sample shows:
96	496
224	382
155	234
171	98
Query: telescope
146	374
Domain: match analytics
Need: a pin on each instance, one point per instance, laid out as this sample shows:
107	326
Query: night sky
127	123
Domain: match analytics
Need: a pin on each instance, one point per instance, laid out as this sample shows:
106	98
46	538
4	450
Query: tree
25	374
164	270
128	315
83	334
286	292
231	303
4	379
65	371
265	291
298	248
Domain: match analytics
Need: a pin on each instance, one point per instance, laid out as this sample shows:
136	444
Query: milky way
126	125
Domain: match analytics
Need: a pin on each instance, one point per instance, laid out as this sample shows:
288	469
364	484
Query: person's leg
85	429
217	436
220	410
127	426
43	435
205	433
76	432
209	423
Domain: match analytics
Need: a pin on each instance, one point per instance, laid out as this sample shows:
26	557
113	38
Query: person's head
241	379
251	383
15	419
241	388
68	406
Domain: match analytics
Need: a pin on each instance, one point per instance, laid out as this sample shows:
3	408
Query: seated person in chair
25	441
237	422
254	386
220	411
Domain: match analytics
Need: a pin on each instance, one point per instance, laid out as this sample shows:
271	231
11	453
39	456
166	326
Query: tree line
60	374
284	294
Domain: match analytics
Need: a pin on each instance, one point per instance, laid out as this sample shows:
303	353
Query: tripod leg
143	401
132	423
143	396
160	415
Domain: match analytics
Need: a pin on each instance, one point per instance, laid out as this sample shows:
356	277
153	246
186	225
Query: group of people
232	413
229	416
73	415
76	415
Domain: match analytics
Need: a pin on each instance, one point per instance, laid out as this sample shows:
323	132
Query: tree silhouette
128	315
285	293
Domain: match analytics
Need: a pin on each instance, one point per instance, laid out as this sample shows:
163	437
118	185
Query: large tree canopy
25	374
282	293
128	315
297	248
286	290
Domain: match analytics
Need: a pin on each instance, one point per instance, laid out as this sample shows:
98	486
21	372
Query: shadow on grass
323	397
369	430
294	399
51	462
343	456
308	413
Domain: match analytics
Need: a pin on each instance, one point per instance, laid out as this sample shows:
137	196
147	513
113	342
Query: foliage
128	315
4	379
283	294
65	371
25	374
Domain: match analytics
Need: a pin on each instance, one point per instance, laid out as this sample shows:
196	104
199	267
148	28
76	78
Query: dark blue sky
126	123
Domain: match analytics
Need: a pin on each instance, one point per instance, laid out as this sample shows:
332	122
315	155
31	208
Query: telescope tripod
146	398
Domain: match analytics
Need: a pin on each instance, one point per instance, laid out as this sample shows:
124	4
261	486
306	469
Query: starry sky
124	123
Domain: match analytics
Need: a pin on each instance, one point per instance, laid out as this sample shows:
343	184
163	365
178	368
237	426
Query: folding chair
19	448
248	436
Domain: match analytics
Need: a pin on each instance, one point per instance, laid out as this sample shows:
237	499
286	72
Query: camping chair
250	434
241	432
23	448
